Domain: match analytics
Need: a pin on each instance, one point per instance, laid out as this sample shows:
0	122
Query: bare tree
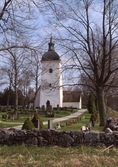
16	22
35	71
15	65
24	83
92	41
18	30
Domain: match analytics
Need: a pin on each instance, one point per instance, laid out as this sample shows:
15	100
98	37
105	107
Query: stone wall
61	138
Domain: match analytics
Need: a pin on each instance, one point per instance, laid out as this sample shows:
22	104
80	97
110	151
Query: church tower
51	92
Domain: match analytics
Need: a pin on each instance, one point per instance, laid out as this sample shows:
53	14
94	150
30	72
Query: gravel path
67	117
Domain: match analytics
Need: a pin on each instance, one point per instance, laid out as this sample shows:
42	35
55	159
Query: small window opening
49	85
50	70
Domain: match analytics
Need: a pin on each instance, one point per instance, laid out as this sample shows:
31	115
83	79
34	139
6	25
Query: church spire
51	44
51	39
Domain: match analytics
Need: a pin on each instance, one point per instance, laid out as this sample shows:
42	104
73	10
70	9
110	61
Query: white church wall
72	104
60	84
53	93
80	102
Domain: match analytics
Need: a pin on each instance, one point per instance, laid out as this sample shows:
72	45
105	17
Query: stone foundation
61	138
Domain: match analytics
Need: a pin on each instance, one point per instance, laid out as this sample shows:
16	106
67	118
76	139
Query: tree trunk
34	103
8	98
101	106
34	106
16	101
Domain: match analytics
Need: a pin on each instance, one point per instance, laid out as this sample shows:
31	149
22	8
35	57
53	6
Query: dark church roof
71	96
51	54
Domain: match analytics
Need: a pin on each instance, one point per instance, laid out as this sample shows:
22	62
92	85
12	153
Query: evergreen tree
34	120
91	105
28	125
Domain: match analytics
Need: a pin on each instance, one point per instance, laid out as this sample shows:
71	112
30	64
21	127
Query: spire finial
51	44
51	38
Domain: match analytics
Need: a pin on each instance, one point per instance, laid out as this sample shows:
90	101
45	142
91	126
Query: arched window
50	70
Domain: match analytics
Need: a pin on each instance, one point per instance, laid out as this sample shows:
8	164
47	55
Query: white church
51	91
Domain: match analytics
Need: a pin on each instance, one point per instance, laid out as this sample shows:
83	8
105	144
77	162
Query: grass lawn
55	156
79	124
9	123
58	114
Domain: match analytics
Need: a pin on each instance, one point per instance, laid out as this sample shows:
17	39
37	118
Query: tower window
50	70
49	85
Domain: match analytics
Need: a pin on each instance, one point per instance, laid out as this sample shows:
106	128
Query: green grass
79	124
55	156
62	113
9	123
58	114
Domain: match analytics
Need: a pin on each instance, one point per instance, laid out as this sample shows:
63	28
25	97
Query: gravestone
58	125
37	124
43	107
49	124
49	108
48	105
57	107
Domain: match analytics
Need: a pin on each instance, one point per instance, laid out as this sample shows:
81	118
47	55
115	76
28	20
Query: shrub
4	110
28	125
32	111
21	111
34	120
9	109
94	116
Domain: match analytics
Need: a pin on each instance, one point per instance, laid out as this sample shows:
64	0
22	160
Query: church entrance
47	105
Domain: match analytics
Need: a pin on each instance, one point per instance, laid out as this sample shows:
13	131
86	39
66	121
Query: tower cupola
51	54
